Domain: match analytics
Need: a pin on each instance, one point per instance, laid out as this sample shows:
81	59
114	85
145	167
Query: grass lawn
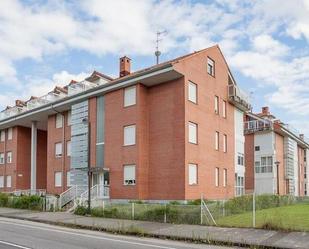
293	217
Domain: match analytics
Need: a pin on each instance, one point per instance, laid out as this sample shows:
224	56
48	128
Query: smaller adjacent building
275	156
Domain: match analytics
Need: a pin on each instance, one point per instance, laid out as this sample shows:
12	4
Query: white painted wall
239	140
296	169
265	182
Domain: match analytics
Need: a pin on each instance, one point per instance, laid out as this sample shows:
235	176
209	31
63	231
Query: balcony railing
80	87
257	125
12	111
239	97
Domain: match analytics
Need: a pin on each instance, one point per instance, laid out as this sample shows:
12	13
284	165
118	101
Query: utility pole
158	52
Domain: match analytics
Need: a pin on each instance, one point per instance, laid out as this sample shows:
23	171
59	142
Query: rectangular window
69	118
69	179
240	159
224	108
58	179
192	92
129	133
10	133
1	158
217	176
59	120
265	165
129	96
68	148
129	174
1	181
224	143
257	148
210	67
58	149
192	133
2	136
9	157
8	181
216	104
217	140
192	174
224	177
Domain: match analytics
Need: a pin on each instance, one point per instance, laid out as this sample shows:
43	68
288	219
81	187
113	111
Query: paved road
25	235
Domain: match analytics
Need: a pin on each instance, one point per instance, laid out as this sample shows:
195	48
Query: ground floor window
8	181
129	174
1	181
192	174
58	179
239	185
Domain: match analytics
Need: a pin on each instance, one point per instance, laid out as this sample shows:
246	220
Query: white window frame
58	179
2	158
59	120
217	142
129	96
224	177
216	104
217	177
193	174
193	132
241	159
1	181
264	165
58	151
224	143
129	174
223	108
69	148
10	133
8	181
128	138
9	157
192	92
210	66
69	118
2	136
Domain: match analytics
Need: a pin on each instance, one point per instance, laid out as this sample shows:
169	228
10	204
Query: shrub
3	200
27	202
81	210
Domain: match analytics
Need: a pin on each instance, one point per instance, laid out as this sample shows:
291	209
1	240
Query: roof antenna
158	53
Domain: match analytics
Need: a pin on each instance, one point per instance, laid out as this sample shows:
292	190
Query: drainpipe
4	177
277	163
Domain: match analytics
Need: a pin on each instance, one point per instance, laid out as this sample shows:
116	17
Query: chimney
125	66
265	110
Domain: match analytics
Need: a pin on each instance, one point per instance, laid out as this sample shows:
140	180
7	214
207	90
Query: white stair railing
96	192
71	194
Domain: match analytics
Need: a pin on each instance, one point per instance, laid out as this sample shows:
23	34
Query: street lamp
277	163
85	121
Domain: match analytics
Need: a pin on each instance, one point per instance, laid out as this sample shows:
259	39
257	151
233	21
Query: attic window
210	67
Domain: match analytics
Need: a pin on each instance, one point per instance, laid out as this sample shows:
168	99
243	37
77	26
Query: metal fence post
165	218
253	209
201	204
133	211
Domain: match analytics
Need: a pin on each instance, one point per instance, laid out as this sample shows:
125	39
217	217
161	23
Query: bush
32	202
81	210
4	198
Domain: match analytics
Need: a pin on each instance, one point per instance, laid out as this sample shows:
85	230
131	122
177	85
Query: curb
122	231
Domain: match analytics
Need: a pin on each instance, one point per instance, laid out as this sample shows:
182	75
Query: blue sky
47	43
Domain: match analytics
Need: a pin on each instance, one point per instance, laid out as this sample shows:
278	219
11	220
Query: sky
265	42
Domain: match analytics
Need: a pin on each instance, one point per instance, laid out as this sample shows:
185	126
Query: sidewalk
230	236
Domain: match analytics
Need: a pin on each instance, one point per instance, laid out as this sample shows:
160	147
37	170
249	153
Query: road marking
85	235
15	245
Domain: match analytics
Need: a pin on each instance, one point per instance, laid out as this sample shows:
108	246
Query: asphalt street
25	234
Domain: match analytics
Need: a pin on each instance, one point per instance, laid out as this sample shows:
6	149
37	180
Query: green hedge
4	198
23	202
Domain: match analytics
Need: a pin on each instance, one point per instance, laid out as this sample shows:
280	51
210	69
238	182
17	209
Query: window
217	177
224	143
129	135
257	148
1	181
224	177
2	136
59	120
130	96
69	179
210	67
58	179
239	185
69	118
265	165
217	140
129	174
58	149
1	158
192	174
192	133
68	148
216	104
192	92
10	134
224	108
8	181
240	159
9	157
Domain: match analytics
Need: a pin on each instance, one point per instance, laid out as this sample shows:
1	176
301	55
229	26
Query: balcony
80	87
257	125
238	97
11	111
48	98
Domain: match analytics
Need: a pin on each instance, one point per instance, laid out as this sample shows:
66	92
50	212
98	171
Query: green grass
292	217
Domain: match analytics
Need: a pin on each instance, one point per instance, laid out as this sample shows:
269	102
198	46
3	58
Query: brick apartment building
275	159
173	131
